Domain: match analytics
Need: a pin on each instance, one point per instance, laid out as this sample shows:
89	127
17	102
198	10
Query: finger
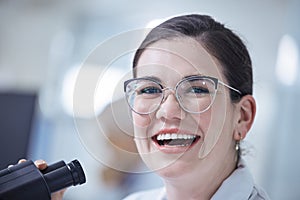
41	164
21	161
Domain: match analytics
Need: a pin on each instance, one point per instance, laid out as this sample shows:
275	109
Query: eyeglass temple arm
236	90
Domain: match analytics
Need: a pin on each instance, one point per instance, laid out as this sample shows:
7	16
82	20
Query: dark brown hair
218	40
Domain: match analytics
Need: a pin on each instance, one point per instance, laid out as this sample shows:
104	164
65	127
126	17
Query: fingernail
40	162
21	160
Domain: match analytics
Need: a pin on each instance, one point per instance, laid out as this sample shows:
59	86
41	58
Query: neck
202	184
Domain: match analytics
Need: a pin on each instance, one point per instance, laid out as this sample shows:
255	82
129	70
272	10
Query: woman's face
200	141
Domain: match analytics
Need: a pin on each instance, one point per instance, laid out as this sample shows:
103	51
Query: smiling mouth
175	140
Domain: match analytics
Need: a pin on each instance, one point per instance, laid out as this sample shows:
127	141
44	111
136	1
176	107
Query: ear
246	110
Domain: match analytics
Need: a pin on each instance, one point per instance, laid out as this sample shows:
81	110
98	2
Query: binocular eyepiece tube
26	181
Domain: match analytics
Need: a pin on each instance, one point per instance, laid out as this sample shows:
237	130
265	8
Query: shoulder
147	194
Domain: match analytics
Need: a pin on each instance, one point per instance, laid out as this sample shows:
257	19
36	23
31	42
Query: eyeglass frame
216	81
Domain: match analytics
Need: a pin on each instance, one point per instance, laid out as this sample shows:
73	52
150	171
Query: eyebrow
192	75
154	78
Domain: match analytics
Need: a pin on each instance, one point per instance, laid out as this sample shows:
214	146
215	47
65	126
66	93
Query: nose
170	108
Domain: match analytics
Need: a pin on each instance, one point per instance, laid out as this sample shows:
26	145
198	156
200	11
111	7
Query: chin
178	169
171	165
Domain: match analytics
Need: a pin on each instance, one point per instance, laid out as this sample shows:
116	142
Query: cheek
141	124
201	122
219	111
217	126
141	121
204	121
143	105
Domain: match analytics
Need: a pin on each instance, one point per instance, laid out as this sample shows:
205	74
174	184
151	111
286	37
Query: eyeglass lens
145	96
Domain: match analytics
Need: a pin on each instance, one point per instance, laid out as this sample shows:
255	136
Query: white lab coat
238	186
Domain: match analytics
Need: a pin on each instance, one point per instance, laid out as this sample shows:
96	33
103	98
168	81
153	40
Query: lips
174	140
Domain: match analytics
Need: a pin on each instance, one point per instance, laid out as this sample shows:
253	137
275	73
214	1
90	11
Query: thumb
41	164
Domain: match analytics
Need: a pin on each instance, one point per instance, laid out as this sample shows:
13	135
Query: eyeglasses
195	94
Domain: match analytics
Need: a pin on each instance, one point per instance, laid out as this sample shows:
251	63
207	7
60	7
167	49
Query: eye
198	90
150	90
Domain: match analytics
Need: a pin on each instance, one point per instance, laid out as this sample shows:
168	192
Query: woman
192	104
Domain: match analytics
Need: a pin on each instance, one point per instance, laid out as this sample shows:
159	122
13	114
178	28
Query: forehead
177	58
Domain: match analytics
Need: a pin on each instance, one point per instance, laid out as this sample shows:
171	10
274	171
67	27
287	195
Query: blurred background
42	43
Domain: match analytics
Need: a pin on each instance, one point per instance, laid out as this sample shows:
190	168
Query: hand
41	164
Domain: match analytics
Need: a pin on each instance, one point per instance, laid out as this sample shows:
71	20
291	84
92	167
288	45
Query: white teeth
168	136
174	136
160	137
